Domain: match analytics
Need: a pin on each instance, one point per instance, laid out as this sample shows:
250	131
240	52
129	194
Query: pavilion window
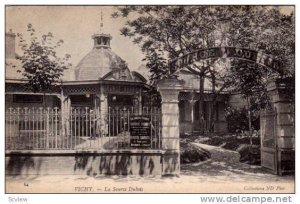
120	100
182	108
105	41
123	74
196	111
26	98
81	100
217	110
205	110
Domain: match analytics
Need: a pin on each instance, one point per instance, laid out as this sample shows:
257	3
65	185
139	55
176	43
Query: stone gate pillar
280	92
169	90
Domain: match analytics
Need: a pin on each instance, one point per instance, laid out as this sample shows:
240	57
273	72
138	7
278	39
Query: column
169	90
97	115
280	93
140	102
65	114
104	114
192	104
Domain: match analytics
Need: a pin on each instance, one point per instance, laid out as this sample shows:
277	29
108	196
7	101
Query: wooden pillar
65	113
97	115
103	114
192	104
140	103
169	90
62	111
201	102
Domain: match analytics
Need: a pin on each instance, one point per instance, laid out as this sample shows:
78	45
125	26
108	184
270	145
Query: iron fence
33	128
78	129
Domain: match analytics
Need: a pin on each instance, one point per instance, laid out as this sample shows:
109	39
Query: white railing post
18	123
25	126
9	127
75	127
47	127
71	127
33	127
56	126
40	126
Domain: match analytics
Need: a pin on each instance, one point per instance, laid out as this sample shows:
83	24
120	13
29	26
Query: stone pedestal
284	113
169	90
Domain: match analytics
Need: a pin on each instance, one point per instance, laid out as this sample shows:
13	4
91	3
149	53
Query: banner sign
225	52
140	127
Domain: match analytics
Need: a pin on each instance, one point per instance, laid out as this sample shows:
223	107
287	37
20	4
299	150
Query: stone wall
91	163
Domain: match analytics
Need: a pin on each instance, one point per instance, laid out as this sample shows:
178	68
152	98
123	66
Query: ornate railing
81	129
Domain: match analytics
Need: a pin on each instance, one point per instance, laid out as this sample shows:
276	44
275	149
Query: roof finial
101	21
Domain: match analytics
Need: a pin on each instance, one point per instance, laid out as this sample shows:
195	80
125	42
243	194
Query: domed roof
97	63
102	63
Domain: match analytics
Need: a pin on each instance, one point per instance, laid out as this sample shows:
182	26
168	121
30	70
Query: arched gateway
226	52
277	123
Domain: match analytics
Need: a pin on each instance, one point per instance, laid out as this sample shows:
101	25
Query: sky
74	25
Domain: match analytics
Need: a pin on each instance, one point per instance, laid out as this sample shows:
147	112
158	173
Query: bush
190	153
249	154
237	120
231	145
231	142
216	141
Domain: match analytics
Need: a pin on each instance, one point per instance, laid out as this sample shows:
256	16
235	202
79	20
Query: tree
268	31
40	64
251	84
168	32
157	64
238	120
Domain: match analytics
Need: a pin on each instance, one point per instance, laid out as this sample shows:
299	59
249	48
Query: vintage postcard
149	99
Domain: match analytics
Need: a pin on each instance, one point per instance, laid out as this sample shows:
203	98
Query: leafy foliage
157	64
250	81
237	119
168	32
40	63
177	30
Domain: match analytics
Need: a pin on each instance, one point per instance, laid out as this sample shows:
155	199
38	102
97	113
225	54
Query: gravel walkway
224	165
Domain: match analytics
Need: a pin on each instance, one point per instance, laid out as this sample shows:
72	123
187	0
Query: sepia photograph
133	99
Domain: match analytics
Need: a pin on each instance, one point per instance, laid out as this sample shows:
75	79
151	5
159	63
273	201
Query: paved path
224	165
